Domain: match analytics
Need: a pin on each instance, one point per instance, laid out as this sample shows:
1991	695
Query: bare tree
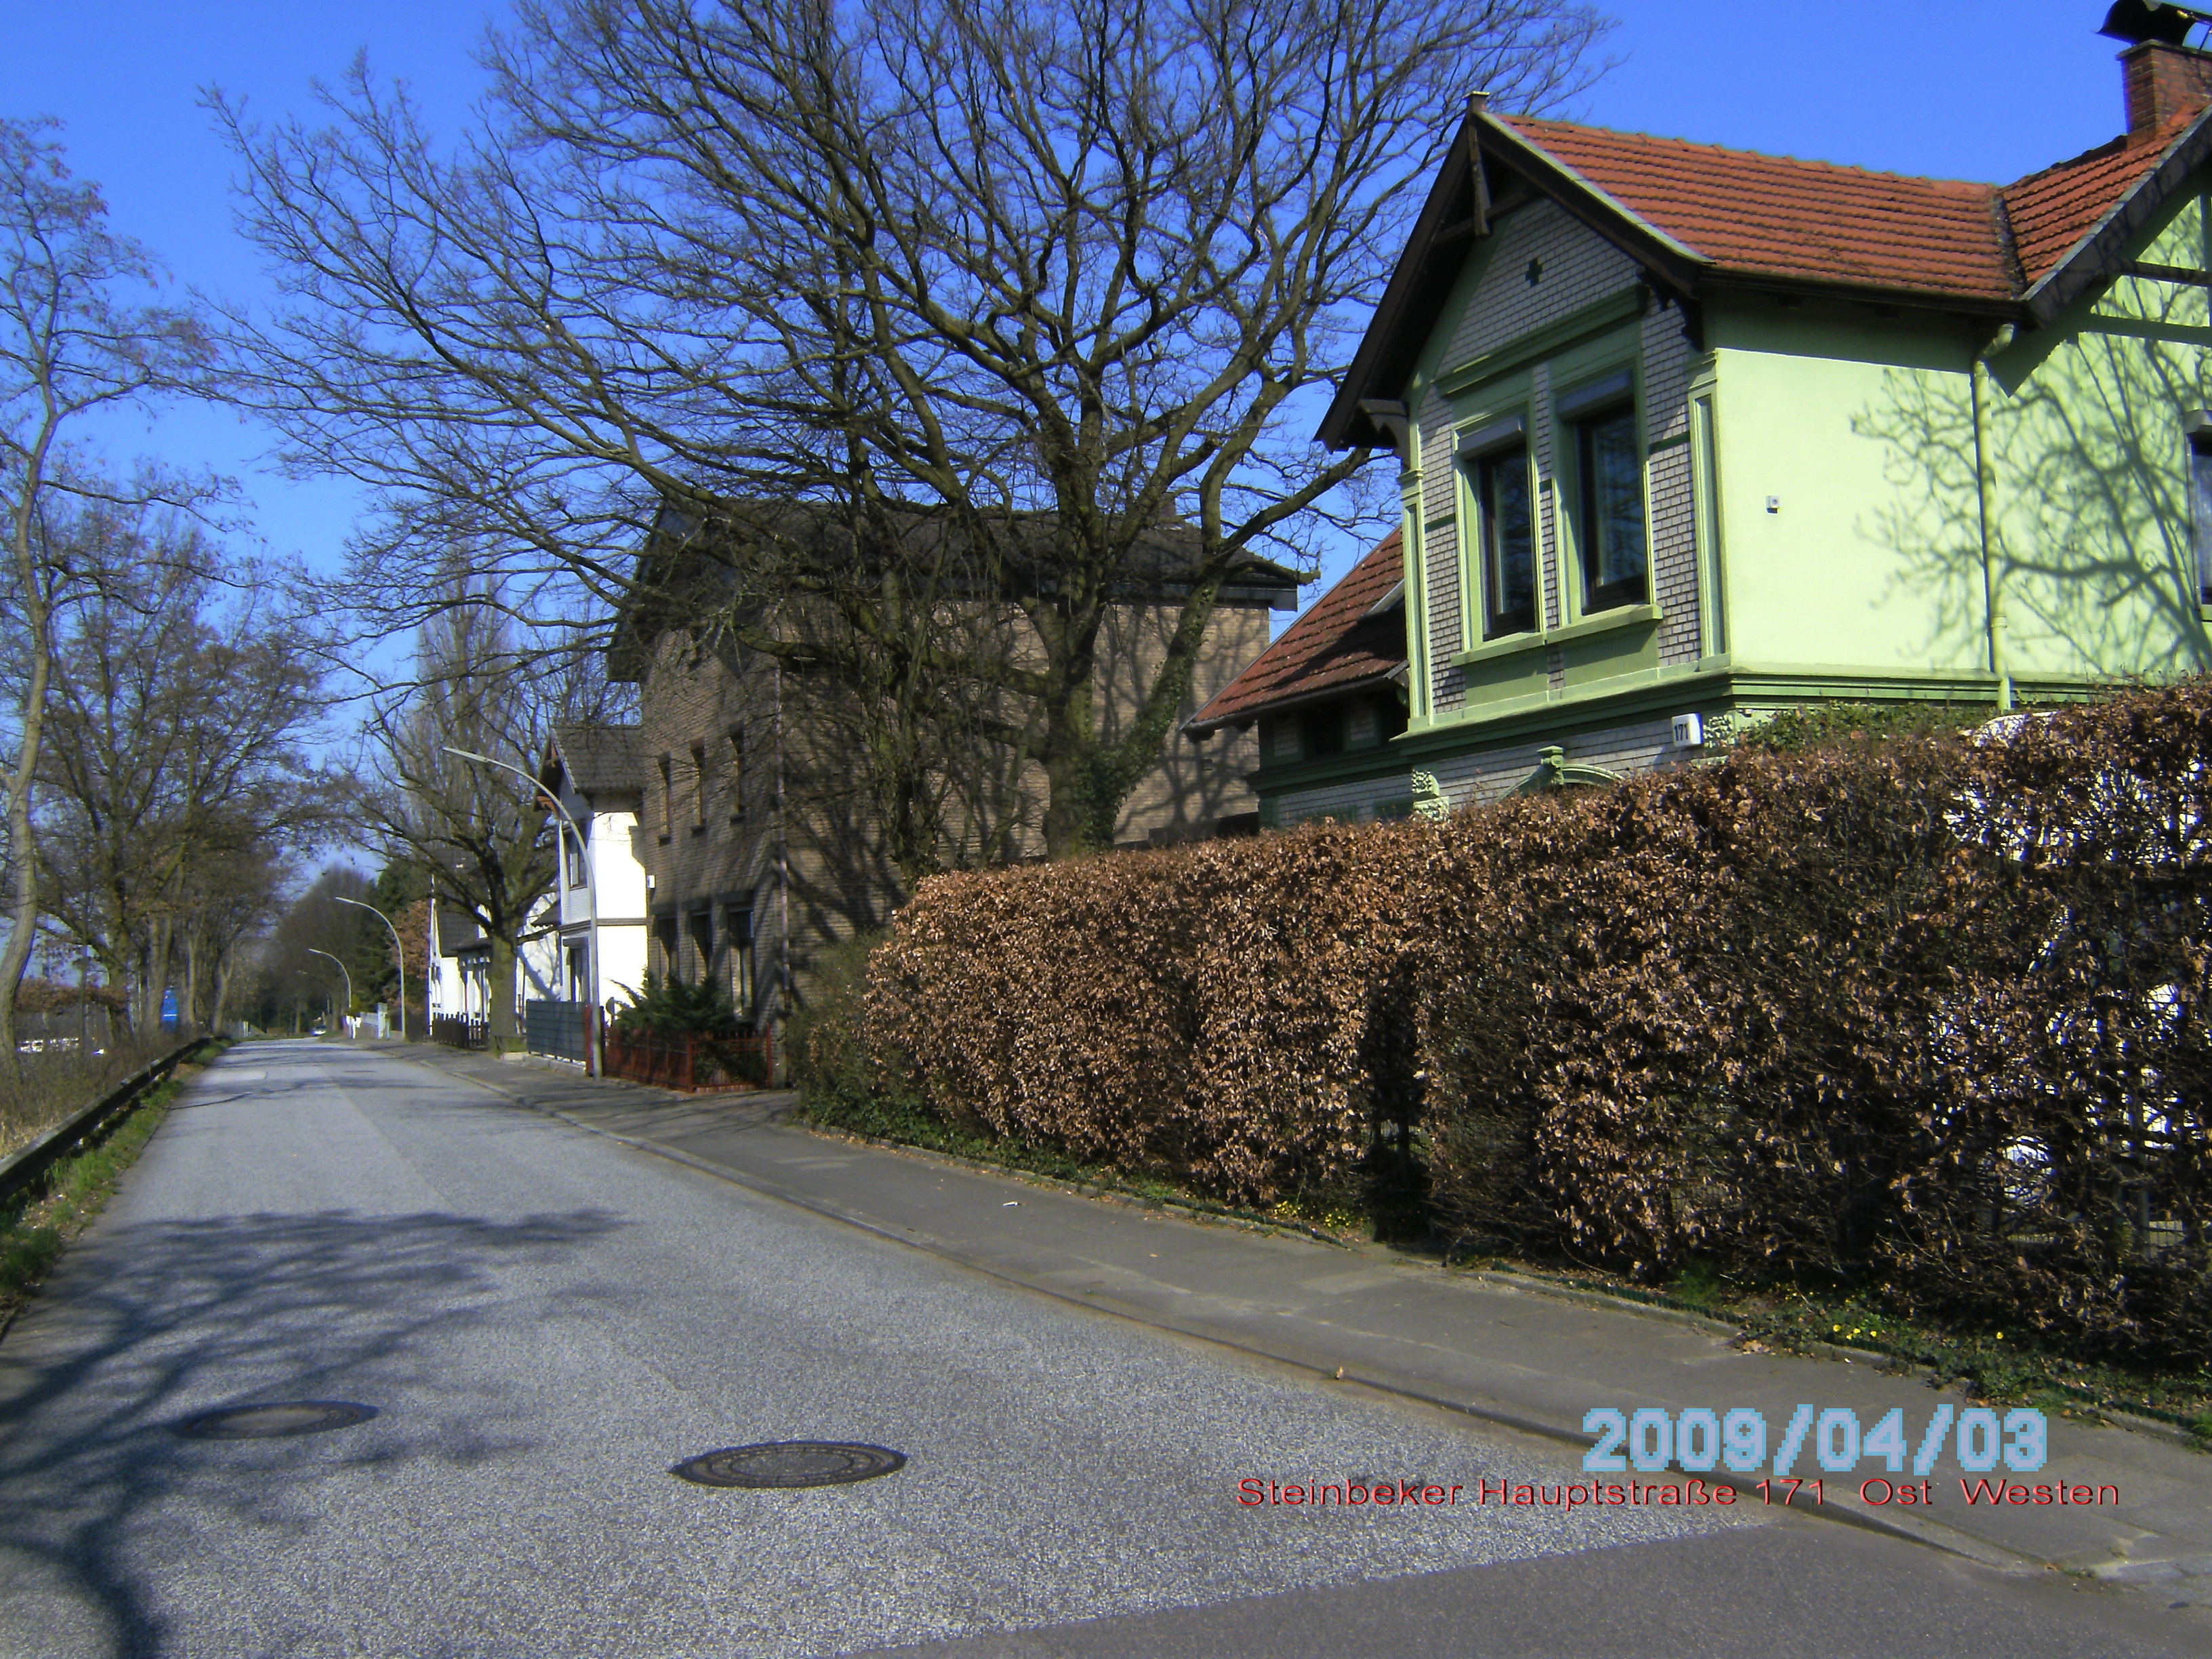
1058	283
79	333
230	899
300	958
176	764
475	835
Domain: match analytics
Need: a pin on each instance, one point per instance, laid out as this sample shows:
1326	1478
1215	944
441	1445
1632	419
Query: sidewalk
1508	1353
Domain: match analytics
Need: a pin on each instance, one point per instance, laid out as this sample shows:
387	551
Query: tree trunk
188	1005
222	974
23	910
23	907
1073	811
499	994
153	977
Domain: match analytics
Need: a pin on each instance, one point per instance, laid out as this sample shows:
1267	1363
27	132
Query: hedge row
1921	1013
1199	1012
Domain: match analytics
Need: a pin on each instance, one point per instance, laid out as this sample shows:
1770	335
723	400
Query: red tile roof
1335	644
1774	216
2052	211
1691	213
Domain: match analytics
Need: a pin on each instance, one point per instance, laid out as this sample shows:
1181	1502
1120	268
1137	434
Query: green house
1685	434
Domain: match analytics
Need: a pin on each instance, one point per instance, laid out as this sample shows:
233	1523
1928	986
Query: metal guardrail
28	1167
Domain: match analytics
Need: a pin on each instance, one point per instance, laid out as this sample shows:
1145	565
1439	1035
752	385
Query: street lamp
583	852
398	949
327	957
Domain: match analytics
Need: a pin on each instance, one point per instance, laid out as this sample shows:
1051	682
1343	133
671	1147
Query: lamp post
327	957
398	949
560	876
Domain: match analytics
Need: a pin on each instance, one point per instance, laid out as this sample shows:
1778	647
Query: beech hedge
1921	1013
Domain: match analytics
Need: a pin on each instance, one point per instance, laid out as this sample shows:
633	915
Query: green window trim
1597	390
1604	622
1483	434
1489	650
1705	524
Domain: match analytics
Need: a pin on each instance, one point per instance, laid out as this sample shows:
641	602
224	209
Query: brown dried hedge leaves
1919	1013
1197	1011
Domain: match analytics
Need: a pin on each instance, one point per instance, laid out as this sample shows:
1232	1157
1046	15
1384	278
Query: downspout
1992	599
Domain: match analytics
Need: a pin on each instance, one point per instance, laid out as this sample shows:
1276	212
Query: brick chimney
2163	81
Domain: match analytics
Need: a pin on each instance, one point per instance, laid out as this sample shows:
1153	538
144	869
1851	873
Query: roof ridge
2115	146
2007	243
1755	155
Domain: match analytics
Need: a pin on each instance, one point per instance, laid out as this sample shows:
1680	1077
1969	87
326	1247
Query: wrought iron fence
688	1061
461	1030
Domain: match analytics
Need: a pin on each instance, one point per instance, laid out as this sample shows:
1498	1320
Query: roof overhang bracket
1476	224
1391	417
2157	273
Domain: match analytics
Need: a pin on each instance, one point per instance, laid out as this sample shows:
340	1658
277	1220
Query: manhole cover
790	1463
270	1422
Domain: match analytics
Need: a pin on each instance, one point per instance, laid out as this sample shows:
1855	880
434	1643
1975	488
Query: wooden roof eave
1406	312
1199	726
2098	256
1737	280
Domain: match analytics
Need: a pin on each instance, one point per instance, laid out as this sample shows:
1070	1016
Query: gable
1697	220
1540	270
2137	299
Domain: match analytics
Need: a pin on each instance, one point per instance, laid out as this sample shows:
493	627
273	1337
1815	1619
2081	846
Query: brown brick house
759	842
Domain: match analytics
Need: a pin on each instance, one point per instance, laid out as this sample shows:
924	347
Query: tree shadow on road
147	1325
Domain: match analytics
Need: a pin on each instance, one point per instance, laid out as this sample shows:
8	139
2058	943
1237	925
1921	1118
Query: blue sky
1963	88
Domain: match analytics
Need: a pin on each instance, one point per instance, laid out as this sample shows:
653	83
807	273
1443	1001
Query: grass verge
33	1232
1776	1317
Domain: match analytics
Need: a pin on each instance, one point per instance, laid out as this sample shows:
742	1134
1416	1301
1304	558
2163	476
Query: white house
597	773
460	962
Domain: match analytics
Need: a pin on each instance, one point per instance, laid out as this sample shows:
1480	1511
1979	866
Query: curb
2172	1433
1111	1194
1932	1536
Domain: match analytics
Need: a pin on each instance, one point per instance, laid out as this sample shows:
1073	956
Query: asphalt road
545	1322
